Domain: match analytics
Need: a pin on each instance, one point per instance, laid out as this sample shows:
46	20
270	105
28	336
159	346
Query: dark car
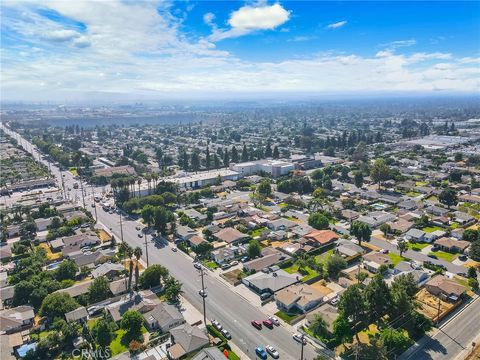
433	256
257	324
265	296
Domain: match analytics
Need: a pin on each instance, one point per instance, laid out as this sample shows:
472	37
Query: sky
66	50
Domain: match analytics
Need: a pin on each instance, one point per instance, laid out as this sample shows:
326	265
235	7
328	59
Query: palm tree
148	177
130	268
139	182
138	254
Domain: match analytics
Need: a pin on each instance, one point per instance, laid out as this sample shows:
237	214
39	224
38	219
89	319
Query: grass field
396	258
48	251
431	229
417	246
285	317
210	264
258	232
323	258
444	255
116	345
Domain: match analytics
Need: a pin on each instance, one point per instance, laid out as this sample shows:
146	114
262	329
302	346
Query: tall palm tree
138	254
130	268
148	177
139	182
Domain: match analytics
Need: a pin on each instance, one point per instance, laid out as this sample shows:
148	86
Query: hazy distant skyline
67	50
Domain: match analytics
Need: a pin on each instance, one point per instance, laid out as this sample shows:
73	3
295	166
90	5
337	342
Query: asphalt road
453	338
233	311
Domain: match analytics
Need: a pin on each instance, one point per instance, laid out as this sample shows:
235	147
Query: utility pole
63	184
121	227
83	194
203	297
94	204
438	312
303	339
146	246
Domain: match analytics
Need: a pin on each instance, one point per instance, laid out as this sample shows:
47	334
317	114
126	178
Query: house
212	353
401	225
90	259
377	218
452	245
329	314
230	235
142	301
404	267
73	244
77	289
78	315
196	240
437	211
265	261
184	233
163	317
42	224
415	235
16	319
445	288
281	224
270	282
372	261
5	252
319	238
186	339
302	297
463	218
195	215
348	250
350	215
223	255
109	270
118	287
6	295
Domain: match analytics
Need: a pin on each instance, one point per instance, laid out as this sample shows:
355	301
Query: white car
300	338
335	300
217	325
197	265
174	249
274	320
272	351
202	293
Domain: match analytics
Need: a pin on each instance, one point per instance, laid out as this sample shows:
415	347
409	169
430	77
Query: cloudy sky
55	50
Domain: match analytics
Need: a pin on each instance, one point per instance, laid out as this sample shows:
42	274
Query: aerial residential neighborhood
207	180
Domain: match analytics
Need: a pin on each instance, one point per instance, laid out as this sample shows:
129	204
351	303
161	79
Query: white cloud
337	24
248	19
62	35
121	54
302	38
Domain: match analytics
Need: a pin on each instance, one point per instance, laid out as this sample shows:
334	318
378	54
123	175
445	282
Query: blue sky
71	49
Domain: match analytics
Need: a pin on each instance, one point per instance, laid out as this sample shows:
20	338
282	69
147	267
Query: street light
203	297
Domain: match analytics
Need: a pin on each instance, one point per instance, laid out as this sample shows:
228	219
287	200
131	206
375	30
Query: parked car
335	301
432	256
225	266
257	324
139	235
226	333
272	351
233	263
274	320
244	259
202	293
463	257
197	265
217	325
384	251
261	353
174	249
268	323
265	296
300	338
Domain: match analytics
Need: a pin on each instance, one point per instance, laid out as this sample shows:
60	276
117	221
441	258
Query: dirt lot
48	251
126	264
231	276
322	288
104	236
430	304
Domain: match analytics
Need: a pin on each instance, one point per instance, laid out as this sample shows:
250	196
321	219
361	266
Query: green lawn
291	269
431	229
444	255
285	317
417	246
258	232
322	258
413	193
210	264
396	258
116	345
91	322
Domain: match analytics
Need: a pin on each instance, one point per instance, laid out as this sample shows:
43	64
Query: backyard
443	255
417	246
397	258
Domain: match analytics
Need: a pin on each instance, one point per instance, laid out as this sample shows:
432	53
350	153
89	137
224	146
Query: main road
233	311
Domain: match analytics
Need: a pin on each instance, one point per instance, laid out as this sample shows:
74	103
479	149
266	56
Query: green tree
358	179
57	304
103	332
66	270
402	246
148	212
377	297
473	283
475	250
254	249
448	197
352	306
98	290
153	276
335	264
342	329
385	228
380	172
472	272
395	341
276	153
361	231
264	188
318	326
318	221
471	235
132	322
173	289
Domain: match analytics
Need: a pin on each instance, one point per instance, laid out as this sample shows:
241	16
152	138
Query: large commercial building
273	167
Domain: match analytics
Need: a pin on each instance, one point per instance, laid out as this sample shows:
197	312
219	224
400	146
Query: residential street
224	305
452	339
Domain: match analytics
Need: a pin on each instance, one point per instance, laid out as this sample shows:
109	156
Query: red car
257	324
268	323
